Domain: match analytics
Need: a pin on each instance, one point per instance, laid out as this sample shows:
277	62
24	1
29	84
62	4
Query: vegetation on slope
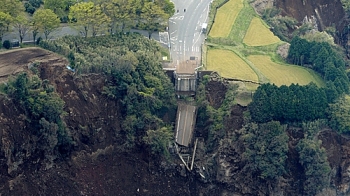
44	110
132	64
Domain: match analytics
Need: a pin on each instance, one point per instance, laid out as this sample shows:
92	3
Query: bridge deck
185	124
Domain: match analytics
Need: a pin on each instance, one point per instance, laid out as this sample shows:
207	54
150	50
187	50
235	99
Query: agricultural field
225	18
258	34
229	65
280	74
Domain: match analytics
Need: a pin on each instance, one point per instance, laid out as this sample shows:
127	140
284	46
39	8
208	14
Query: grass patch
259	35
280	74
225	18
229	65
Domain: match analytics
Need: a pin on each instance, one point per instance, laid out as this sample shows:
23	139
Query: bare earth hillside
98	164
328	13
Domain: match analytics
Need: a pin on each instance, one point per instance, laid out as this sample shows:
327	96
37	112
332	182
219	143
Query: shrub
7	44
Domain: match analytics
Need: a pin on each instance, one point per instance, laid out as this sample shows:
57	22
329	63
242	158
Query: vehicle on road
204	27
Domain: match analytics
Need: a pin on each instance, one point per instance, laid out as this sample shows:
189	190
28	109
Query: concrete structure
185	118
185	76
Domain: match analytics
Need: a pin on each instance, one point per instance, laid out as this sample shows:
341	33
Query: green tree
22	25
266	149
121	12
314	160
89	17
167	6
5	20
59	6
46	21
11	7
339	114
158	140
153	18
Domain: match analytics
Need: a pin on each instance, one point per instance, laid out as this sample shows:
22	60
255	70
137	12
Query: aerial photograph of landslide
175	97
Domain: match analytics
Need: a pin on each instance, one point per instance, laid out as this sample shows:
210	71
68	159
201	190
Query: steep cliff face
97	165
328	13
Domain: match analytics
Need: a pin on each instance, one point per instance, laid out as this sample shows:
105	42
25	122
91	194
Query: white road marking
173	32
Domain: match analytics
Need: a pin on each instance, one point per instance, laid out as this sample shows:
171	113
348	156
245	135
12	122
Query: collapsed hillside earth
99	165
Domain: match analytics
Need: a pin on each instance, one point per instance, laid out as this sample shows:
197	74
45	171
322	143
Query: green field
229	65
225	18
259	35
284	74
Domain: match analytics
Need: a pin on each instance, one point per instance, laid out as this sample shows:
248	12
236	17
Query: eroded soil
99	164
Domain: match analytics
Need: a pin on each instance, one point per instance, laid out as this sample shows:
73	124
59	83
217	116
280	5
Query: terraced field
259	35
229	65
225	18
284	74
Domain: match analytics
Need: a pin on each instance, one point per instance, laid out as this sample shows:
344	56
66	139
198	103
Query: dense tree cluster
314	160
266	149
288	103
303	103
321	57
44	108
136	79
117	15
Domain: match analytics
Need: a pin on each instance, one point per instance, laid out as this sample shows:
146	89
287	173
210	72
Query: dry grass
259	35
229	65
284	74
225	18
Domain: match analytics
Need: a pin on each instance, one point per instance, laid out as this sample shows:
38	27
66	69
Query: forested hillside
95	114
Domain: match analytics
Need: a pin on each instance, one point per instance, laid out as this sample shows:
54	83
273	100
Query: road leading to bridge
186	36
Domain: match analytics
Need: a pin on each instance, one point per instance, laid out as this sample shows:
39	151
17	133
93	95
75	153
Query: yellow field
283	74
229	65
225	17
259	35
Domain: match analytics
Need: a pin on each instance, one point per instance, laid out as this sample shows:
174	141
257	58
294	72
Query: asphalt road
64	30
184	127
186	37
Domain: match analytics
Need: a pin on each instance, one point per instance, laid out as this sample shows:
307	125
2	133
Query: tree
158	140
153	18
339	114
121	12
22	25
314	160
46	21
88	16
167	6
266	149
11	7
5	20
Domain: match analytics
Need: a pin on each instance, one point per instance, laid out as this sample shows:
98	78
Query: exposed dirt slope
97	165
328	13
